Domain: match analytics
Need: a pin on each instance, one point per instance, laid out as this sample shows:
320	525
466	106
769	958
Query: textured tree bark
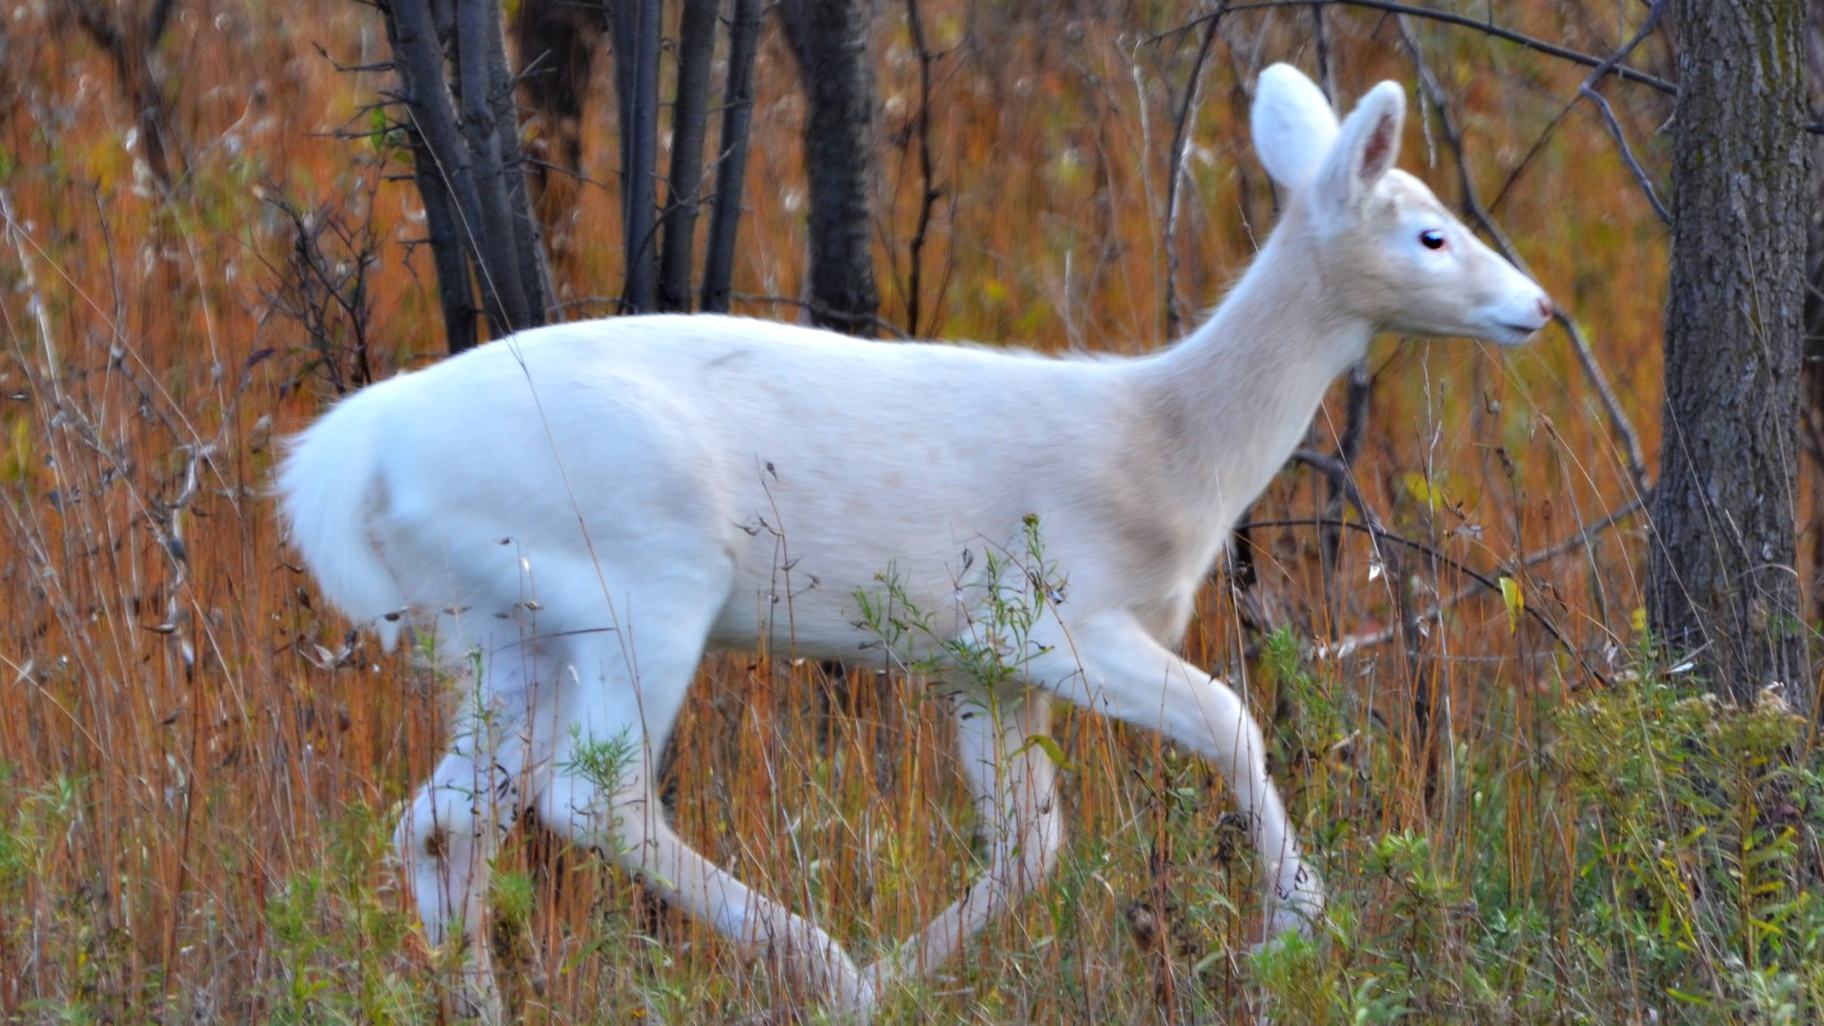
503	298
1721	577
689	120
830	41
525	230
634	25
1814	296
439	161
731	160
463	131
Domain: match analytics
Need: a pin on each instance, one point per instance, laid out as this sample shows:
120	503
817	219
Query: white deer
580	511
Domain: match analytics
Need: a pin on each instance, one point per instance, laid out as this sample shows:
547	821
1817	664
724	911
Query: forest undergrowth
1526	811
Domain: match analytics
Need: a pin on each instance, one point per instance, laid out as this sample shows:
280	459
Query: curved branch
1583	538
1478	212
1173	195
1447	18
1380	534
1627	152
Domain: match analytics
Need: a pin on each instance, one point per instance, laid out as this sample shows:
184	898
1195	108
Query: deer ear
1293	125
1366	147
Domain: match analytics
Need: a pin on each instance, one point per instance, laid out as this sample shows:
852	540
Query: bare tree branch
1486	582
1348	447
1446	17
929	192
1472	200
1193	88
1588	90
1627	152
1584	536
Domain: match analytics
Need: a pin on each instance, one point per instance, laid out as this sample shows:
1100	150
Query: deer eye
1431	238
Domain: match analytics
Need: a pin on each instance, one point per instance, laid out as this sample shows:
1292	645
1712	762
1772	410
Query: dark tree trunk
1721	575
634	25
830	41
557	43
477	42
689	120
464	135
731	160
525	230
132	45
1814	298
438	161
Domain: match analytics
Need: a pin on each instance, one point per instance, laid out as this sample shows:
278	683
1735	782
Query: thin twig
1446	17
1588	91
1627	152
1342	486
1589	82
1348	447
1380	534
1472	202
1585	536
1180	129
1341	479
929	192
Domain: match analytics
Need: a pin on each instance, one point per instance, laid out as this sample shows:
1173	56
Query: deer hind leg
1113	666
1014	785
448	836
611	806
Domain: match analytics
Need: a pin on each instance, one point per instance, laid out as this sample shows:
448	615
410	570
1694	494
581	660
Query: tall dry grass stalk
198	765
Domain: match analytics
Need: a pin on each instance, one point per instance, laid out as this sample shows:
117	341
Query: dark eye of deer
1431	239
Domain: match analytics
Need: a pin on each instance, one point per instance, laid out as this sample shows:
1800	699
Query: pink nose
1545	308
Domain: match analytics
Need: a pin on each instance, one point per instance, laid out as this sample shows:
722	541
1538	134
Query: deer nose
1545	308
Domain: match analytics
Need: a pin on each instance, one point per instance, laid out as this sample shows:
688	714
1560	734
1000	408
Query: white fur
1294	127
584	509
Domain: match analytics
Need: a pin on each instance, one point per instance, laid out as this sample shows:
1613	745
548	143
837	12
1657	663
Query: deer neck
1245	385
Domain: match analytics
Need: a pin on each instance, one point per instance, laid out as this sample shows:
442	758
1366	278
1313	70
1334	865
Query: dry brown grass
199	788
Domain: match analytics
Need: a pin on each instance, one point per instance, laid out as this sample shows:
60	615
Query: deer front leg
1111	665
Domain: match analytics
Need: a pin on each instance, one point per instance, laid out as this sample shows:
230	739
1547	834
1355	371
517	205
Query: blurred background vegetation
1528	811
